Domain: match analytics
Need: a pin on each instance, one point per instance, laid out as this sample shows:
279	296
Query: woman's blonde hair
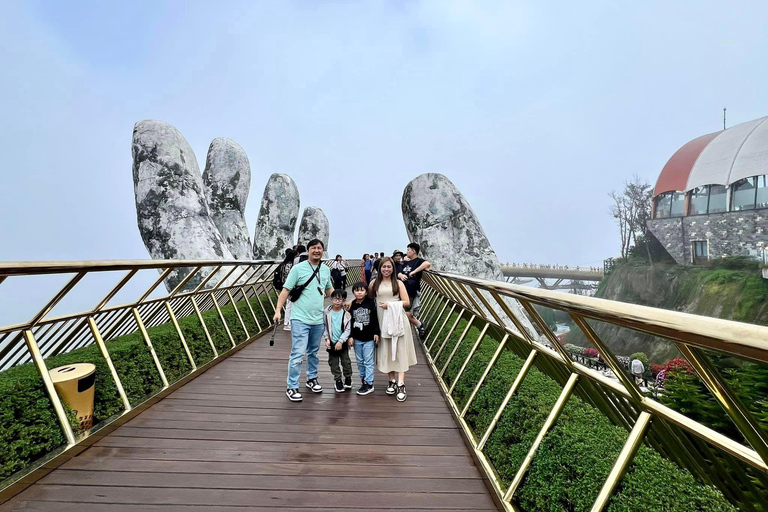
392	278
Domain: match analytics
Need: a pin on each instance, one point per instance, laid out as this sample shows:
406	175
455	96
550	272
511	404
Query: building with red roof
711	198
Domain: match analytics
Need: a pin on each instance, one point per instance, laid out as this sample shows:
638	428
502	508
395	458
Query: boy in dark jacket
365	334
337	329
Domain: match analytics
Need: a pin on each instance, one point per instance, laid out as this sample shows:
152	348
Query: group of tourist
375	322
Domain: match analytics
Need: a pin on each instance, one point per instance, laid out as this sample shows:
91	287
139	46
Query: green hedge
29	428
575	458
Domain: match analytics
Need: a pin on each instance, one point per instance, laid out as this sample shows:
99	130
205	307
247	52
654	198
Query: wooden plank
277	499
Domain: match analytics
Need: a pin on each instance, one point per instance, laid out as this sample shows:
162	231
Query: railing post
448	336
145	335
469	356
445	320
553	415
455	348
105	353
487	370
237	312
512	390
34	351
223	320
205	327
181	335
628	452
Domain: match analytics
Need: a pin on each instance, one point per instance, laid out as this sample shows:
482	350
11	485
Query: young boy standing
364	335
337	329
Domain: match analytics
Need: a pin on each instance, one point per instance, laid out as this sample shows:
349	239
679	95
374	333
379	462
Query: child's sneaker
401	394
365	389
314	385
293	395
391	387
348	383
339	386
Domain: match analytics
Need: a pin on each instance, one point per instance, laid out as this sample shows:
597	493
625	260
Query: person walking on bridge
410	273
308	283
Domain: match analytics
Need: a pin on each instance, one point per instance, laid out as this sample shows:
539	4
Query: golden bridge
189	409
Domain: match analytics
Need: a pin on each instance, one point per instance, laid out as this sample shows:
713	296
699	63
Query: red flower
678	364
590	352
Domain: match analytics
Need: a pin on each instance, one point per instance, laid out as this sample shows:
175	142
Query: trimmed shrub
577	454
29	428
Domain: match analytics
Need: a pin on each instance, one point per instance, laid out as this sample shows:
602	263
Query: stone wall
728	234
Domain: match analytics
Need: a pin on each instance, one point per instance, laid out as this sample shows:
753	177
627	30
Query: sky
534	110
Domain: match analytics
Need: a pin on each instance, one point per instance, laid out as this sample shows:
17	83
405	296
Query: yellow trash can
75	384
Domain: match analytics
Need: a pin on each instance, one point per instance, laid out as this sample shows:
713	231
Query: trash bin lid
71	372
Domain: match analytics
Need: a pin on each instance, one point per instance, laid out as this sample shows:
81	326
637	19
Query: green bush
29	428
576	456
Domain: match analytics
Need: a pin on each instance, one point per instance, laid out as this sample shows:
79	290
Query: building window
718	199
699	200
761	201
700	252
743	195
678	204
663	203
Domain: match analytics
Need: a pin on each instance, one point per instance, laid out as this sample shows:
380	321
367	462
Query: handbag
296	292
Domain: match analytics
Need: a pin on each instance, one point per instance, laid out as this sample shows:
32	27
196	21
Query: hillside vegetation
732	289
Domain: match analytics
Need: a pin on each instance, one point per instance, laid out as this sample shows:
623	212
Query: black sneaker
348	383
365	389
401	394
422	331
314	385
339	386
293	395
391	387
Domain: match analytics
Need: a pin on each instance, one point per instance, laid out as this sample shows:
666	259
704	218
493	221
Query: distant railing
709	455
237	296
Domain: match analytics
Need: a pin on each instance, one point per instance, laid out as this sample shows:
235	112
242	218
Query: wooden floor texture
231	441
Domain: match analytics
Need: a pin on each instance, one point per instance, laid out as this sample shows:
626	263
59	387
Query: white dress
406	353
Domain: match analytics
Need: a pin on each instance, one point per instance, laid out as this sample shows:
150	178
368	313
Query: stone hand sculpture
227	181
438	217
314	224
171	207
277	218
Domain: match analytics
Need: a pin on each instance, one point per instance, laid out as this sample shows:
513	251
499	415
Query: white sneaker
293	395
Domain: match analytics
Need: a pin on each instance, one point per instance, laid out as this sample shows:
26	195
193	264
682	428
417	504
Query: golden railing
669	432
201	286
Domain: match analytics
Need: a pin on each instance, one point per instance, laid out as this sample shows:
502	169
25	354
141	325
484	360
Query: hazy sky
535	110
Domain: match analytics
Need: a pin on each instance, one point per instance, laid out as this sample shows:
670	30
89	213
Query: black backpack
278	279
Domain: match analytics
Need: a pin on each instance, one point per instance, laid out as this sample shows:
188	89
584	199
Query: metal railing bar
448	336
747	340
148	342
617	368
742	418
58	297
28	268
108	359
119	286
192	273
237	312
626	455
487	370
223	320
181	335
205	327
550	421
547	333
510	393
50	389
454	350
250	308
439	316
469	356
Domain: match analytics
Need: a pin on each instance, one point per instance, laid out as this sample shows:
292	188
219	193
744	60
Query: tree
632	208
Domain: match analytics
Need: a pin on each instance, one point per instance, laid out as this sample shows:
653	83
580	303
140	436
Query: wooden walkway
231	441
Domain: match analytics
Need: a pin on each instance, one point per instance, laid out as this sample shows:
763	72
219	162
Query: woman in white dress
387	290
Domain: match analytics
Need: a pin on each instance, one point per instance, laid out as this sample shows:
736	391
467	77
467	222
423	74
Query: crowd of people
375	323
